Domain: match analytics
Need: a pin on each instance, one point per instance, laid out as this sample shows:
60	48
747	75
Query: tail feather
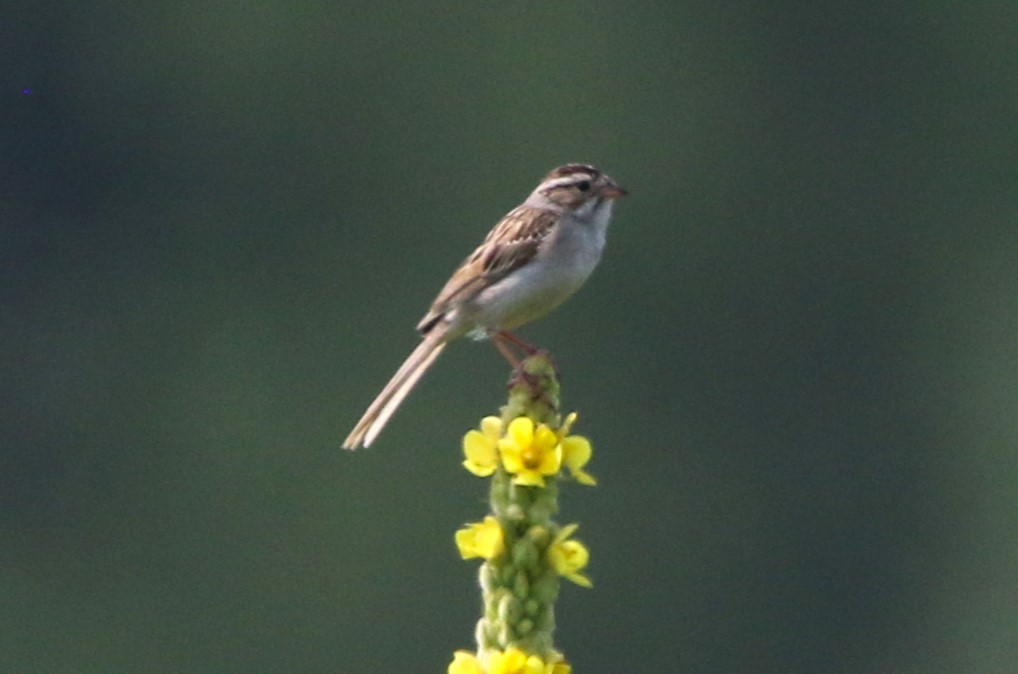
388	401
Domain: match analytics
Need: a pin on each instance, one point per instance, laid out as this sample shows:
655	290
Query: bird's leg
510	337
504	341
499	341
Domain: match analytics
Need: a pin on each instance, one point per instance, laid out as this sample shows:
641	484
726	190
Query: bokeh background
219	223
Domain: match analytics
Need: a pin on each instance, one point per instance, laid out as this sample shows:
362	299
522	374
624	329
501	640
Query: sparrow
538	255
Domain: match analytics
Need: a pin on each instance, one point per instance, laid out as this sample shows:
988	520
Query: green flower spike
526	552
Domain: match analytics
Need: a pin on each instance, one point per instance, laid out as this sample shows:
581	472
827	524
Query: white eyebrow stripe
569	180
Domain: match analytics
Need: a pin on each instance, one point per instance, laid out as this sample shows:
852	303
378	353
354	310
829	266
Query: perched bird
538	255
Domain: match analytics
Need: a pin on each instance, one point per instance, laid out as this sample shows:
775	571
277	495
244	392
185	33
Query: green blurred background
219	223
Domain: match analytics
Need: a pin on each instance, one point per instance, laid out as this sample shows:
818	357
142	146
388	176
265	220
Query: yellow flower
481	447
515	661
569	557
511	661
557	664
576	452
464	662
530	453
481	539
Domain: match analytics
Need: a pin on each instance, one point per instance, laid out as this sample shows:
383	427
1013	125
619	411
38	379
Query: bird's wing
510	245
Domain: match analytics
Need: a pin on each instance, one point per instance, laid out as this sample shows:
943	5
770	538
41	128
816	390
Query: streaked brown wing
509	246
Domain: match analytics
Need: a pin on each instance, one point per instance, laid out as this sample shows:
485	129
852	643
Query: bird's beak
613	191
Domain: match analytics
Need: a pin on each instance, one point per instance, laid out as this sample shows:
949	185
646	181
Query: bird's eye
583	185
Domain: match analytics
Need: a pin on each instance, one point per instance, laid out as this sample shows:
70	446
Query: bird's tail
388	401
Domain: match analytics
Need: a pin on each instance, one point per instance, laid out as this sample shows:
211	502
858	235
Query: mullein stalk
525	551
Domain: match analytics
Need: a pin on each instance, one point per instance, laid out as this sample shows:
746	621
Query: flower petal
569	557
511	661
464	662
576	452
528	478
520	432
481	539
482	457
